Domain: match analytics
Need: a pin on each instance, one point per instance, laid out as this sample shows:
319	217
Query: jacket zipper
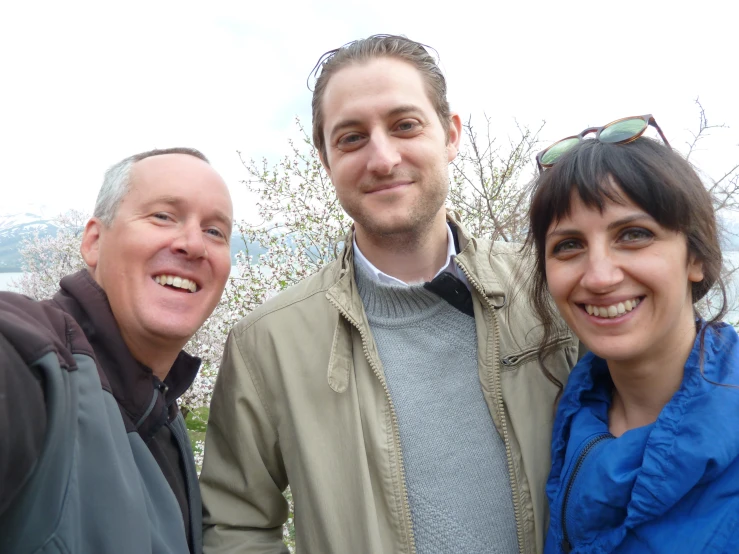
516	359
394	417
566	546
501	411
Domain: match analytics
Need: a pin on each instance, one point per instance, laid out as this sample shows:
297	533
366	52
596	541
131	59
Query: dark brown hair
365	50
649	174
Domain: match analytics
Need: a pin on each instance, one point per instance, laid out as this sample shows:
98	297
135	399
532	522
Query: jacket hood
647	471
131	382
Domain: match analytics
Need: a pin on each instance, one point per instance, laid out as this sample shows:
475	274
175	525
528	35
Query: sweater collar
131	382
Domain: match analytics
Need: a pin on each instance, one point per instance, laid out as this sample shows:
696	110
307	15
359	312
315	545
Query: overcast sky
87	84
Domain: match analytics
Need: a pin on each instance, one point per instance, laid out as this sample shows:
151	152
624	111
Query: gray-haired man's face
165	258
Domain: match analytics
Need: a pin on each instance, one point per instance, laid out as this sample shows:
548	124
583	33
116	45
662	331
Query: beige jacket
301	399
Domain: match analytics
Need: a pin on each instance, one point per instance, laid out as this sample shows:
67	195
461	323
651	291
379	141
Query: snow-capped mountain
14	227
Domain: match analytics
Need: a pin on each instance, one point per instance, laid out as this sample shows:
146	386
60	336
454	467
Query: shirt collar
384	278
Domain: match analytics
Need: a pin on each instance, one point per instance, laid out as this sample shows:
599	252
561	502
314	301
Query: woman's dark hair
649	174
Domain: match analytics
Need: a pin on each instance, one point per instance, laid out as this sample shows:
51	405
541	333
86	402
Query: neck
157	357
644	388
412	257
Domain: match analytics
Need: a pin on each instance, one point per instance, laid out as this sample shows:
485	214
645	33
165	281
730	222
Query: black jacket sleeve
22	422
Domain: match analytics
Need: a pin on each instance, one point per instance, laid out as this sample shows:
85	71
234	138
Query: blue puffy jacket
669	487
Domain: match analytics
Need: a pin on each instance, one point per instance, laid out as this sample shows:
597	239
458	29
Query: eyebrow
180	203
399	110
613	225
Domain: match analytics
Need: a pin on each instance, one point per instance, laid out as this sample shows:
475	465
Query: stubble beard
406	234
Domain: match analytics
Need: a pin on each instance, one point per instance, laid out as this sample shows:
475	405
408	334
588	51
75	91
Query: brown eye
566	246
634	234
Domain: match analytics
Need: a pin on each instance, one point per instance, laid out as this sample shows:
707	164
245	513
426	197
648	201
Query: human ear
90	247
695	269
454	137
324	163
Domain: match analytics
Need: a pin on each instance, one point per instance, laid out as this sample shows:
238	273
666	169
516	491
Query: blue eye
350	139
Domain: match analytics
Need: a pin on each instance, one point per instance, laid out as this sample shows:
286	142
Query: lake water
7	278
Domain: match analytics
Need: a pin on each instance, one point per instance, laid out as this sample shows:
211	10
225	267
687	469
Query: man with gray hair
94	452
397	391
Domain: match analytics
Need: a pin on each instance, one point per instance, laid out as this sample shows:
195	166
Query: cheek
558	282
224	268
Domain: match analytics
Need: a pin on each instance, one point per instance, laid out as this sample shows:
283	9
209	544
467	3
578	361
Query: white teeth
176	281
612	311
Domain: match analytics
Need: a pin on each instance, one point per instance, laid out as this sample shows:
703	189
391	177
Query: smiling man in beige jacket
397	391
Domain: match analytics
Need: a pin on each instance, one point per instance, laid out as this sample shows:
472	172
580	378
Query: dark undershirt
163	446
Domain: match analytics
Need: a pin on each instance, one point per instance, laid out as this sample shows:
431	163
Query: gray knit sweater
455	462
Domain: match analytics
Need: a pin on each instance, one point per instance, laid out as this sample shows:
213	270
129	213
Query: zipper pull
566	546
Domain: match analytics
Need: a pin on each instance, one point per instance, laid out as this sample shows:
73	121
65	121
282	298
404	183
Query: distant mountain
17	226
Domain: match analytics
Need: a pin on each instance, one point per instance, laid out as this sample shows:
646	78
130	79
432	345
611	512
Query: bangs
600	173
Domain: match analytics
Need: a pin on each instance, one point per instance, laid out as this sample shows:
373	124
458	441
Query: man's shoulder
499	261
305	295
39	326
505	252
19	310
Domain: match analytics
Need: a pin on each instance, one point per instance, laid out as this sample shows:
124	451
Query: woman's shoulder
717	354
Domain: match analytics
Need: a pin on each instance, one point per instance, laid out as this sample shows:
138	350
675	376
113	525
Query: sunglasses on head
621	131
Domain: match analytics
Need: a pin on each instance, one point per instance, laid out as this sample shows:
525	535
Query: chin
613	353
174	331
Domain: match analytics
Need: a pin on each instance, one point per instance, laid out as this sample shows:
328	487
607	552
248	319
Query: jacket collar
474	257
132	383
672	457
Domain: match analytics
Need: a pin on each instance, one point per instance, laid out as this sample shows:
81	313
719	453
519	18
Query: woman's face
621	281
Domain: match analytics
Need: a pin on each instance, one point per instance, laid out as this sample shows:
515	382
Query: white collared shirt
386	279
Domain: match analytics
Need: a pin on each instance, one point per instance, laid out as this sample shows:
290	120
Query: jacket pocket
515	360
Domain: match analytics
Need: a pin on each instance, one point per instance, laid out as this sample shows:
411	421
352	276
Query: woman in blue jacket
645	447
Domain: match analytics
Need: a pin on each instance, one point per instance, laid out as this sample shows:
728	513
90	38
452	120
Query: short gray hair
117	181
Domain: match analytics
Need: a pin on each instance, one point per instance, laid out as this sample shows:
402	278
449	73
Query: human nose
190	241
602	272
384	156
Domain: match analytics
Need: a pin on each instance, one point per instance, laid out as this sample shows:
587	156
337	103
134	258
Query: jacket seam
250	324
259	392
